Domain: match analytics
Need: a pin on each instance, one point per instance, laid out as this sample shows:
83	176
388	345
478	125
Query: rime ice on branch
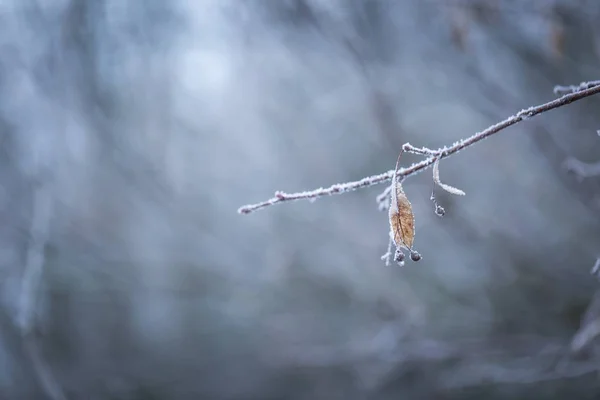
573	93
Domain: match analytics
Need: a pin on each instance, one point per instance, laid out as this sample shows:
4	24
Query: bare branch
578	92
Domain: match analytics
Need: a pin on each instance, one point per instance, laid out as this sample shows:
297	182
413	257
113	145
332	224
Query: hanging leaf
402	220
436	179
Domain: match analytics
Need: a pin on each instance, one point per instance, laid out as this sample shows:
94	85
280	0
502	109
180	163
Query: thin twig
572	88
387	257
578	92
383	199
424	151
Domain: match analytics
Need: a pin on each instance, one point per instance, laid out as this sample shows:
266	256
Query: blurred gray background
131	132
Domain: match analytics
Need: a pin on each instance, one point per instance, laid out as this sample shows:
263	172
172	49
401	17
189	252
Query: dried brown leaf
402	219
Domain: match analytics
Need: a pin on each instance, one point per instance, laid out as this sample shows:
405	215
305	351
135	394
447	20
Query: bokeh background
131	132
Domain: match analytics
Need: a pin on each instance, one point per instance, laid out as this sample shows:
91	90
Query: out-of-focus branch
582	169
30	287
34	262
576	93
590	323
495	360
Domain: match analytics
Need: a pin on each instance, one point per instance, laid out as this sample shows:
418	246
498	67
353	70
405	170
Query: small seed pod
399	257
439	211
415	256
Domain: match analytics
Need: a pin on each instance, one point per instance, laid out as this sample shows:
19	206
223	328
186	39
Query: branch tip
572	94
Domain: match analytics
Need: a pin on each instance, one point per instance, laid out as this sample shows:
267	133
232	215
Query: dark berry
415	256
439	211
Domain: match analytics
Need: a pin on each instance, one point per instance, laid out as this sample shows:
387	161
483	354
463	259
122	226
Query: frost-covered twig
572	88
424	151
387	257
383	199
578	92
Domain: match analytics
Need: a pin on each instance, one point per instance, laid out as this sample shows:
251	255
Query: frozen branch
575	93
424	151
383	199
572	88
